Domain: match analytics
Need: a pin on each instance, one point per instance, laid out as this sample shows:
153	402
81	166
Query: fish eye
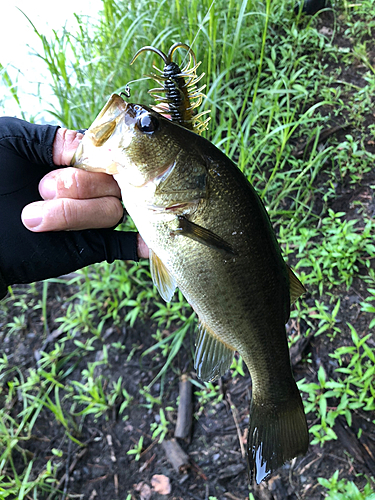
147	124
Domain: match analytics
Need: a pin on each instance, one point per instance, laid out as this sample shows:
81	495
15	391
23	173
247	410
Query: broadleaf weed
354	388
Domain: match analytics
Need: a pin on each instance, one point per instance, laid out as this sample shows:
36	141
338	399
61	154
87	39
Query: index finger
71	182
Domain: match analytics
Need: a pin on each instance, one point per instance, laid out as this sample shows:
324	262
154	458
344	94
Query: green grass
352	388
341	489
271	79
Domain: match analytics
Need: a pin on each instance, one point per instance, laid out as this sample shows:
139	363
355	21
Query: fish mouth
115	105
115	111
107	120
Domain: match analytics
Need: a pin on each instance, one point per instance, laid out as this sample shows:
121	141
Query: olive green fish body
210	235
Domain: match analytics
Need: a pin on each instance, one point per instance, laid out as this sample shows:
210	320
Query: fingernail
32	216
47	189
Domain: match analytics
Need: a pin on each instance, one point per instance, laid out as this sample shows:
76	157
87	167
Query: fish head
128	139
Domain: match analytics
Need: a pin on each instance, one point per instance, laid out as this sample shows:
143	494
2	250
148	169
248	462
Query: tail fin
276	434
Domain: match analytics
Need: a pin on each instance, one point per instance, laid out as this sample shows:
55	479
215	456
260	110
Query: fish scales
210	235
238	278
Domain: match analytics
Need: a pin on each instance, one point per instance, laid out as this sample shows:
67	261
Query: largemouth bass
210	235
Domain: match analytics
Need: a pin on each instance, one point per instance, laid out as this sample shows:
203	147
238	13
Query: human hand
73	199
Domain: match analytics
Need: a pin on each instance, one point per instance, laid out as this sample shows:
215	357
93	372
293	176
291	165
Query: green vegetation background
272	77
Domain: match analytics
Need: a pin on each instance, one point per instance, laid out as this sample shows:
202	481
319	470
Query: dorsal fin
295	286
212	357
163	280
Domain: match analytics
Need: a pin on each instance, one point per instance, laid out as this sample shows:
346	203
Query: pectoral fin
295	286
164	282
212	357
204	236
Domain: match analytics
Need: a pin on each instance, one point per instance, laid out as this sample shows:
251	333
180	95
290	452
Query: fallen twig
67	470
185	409
111	449
176	455
235	418
147	463
115	482
149	447
231	496
322	136
71	469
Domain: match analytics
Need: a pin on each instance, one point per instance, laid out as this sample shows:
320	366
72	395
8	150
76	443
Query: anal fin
163	280
212	357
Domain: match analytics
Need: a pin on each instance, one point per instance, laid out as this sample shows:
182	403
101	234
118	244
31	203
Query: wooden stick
71	468
235	418
176	455
185	409
322	136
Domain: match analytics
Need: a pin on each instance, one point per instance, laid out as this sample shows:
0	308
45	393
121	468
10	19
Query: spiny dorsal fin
295	286
212	357
164	282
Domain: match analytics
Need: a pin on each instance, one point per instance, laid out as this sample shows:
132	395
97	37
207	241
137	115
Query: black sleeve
25	257
31	141
3	287
25	156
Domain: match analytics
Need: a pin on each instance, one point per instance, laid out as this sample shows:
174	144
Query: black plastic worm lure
179	87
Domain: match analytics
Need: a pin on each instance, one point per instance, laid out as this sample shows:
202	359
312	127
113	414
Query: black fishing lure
180	88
